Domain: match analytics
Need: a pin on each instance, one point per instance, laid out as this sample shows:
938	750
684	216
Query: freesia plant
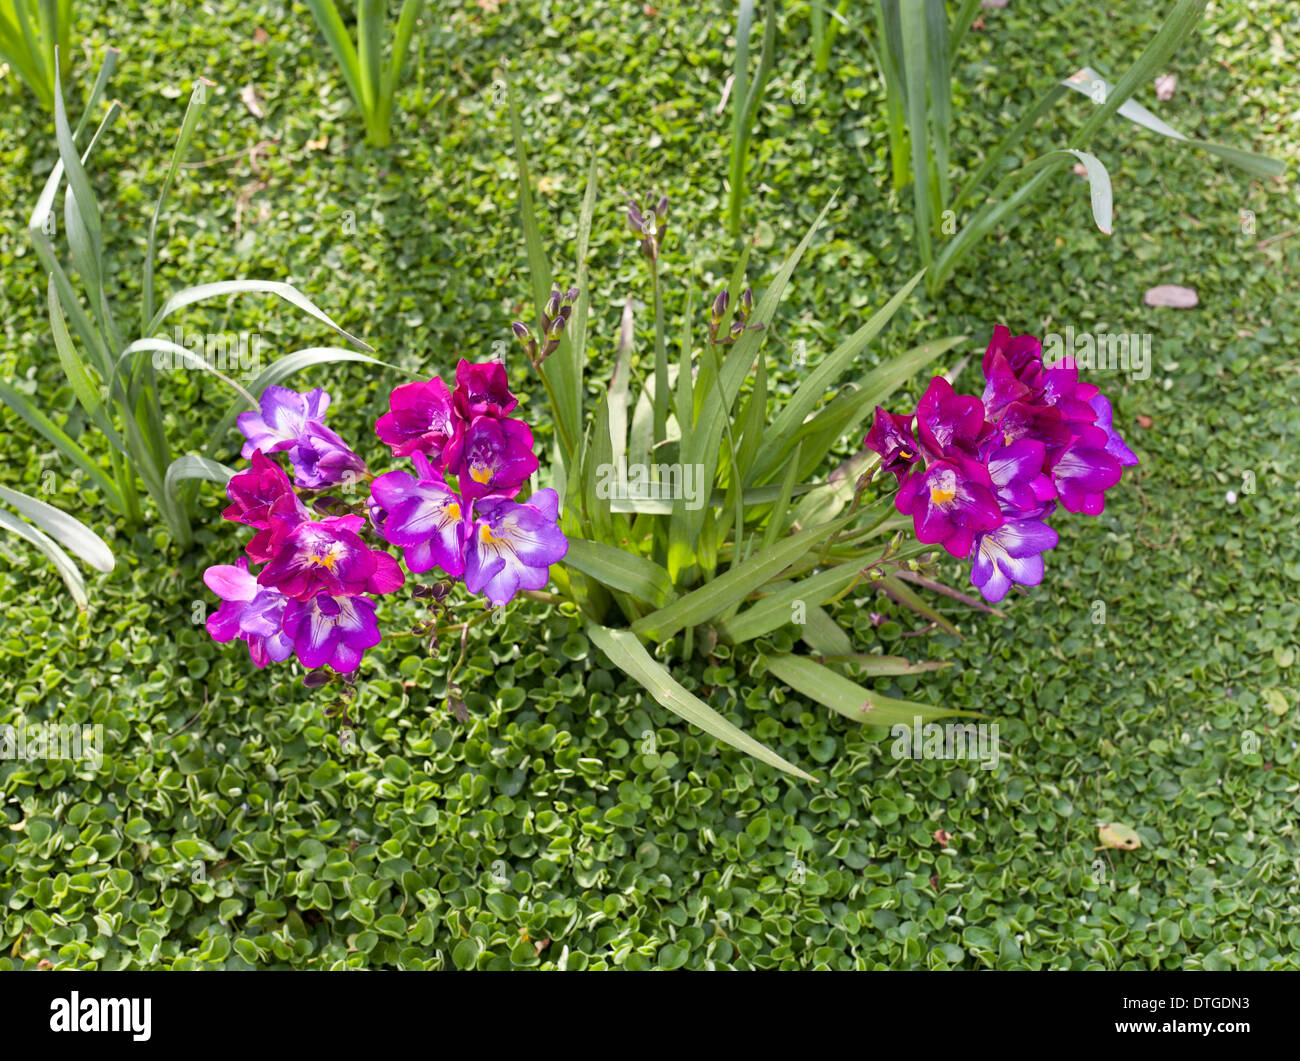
780	530
325	549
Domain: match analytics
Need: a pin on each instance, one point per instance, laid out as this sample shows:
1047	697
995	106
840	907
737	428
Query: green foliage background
229	827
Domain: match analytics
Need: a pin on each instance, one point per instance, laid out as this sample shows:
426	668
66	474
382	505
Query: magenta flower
512	546
282	419
950	502
1016	471
320	459
891	437
1082	474
260	492
424	516
492	457
947	422
331	631
420	417
1115	445
482	390
249	612
1011	553
328	556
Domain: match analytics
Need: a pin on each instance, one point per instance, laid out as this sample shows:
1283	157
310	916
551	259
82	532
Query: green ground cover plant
565	819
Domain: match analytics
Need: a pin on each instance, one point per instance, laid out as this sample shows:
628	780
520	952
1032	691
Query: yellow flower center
453	511
487	535
941	497
325	560
480	473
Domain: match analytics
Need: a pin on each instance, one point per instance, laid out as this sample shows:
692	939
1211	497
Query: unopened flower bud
522	332
553	303
316	678
720	306
635	219
661	210
746	302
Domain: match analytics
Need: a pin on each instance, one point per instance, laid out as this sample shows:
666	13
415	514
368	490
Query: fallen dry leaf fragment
1171	295
1144	421
249	98
1118	836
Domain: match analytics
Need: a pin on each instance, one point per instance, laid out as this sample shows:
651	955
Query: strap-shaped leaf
69	531
718	595
630	656
620	570
848	698
221	288
50	548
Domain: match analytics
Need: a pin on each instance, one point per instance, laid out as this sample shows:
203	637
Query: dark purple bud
635	219
316	678
553	303
746	302
571	296
720	306
522	332
661	210
440	590
422	592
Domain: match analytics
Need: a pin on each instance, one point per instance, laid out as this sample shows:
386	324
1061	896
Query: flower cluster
315	596
980	476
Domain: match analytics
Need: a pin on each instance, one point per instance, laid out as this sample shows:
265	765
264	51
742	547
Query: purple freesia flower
482	390
320	459
420	417
424	516
333	632
328	556
512	546
950	502
1016	471
492	457
1115	445
1082	474
948	422
1010	553
891	437
282	419
250	612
